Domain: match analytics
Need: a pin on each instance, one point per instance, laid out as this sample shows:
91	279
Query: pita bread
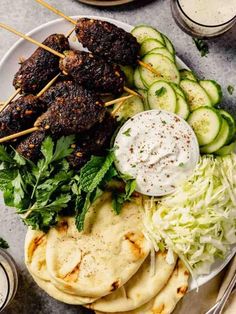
35	260
35	254
166	300
59	295
140	289
103	257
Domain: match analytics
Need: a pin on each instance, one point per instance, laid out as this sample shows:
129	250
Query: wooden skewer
33	41
19	134
113	113
66	17
4	105
58	12
114	101
10	99
149	67
60	55
48	85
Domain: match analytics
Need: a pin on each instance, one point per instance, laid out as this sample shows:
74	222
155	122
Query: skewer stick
148	67
19	134
48	85
58	12
132	92
113	113
114	101
33	41
53	9
60	55
10	99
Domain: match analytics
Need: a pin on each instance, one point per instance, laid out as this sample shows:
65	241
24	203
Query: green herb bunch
44	191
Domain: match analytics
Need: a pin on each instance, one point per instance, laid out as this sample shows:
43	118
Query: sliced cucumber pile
215	130
180	92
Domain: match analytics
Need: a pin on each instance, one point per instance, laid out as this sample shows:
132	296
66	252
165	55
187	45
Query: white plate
9	66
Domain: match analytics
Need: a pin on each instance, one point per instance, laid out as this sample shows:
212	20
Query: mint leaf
160	92
94	171
230	89
3	244
202	46
118	199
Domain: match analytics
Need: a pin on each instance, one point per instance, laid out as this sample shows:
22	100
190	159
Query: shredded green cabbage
198	221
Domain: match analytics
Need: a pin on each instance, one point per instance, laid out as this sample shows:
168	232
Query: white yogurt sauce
4	286
209	12
158	149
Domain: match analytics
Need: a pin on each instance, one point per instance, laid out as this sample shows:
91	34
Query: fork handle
222	302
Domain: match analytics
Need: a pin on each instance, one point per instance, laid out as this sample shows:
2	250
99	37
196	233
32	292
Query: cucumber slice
187	75
129	108
226	150
143	32
137	79
150	44
144	93
231	122
167	69
129	74
169	44
228	115
163	51
182	108
206	123
219	141
195	94
162	96
213	90
177	89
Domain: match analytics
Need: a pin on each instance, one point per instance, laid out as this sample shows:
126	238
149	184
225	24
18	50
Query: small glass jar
187	21
8	279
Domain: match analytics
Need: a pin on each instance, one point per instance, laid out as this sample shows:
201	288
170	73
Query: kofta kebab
84	113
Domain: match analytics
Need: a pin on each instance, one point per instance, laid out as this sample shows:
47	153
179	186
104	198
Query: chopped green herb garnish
163	122
181	165
127	132
230	89
202	46
160	92
3	244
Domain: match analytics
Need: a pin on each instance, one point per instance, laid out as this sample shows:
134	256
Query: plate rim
192	283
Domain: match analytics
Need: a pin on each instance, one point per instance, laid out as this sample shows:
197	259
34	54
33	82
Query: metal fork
219	306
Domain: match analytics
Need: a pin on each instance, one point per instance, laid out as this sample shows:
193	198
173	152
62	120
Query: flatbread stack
109	267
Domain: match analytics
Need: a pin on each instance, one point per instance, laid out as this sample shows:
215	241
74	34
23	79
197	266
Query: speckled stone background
24	15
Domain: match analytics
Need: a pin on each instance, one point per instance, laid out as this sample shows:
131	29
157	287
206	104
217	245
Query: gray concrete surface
24	15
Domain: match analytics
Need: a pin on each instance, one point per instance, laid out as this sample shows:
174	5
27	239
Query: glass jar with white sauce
8	279
204	18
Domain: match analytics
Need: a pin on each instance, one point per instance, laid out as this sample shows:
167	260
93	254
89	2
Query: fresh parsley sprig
44	191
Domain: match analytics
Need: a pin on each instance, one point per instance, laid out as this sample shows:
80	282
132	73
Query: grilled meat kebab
93	142
20	115
108	41
41	66
93	72
77	115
